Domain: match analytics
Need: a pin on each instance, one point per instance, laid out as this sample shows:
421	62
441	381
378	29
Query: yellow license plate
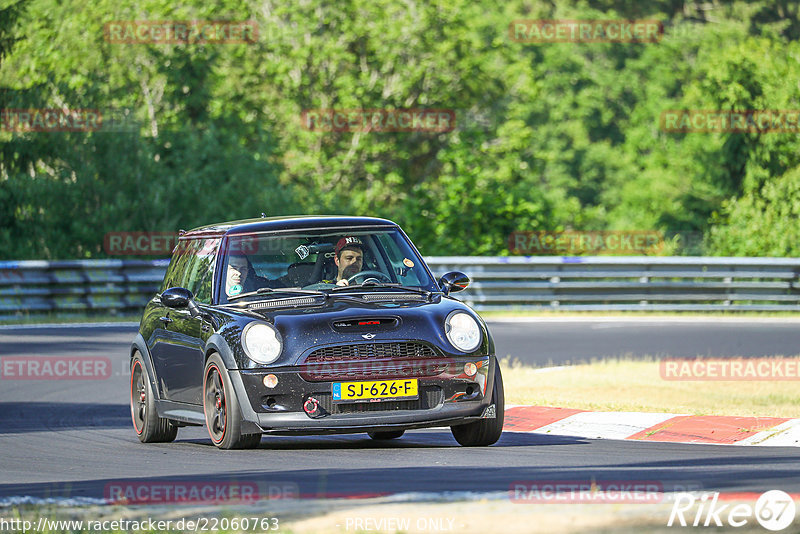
375	390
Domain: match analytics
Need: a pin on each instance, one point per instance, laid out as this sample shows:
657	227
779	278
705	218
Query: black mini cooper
310	325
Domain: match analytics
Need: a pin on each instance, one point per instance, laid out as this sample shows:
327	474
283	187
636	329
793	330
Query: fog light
270	381
311	407
470	369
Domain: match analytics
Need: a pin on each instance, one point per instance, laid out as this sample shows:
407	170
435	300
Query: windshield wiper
383	285
271	291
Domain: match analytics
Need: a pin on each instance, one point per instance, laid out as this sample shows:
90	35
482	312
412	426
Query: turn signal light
270	381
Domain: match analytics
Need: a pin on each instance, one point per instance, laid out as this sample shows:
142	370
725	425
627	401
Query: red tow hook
311	407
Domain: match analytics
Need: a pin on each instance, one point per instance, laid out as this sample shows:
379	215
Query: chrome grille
367	361
373	369
370	351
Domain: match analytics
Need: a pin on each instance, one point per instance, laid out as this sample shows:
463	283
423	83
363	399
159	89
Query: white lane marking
604	425
621	425
786	434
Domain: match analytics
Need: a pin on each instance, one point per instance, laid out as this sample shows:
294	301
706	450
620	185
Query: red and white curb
669	427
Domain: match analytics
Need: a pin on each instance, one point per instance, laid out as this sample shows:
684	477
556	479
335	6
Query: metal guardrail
498	283
77	287
581	283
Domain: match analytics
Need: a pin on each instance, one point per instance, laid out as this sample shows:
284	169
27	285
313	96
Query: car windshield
361	260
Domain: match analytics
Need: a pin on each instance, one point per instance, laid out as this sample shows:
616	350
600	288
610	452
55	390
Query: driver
349	257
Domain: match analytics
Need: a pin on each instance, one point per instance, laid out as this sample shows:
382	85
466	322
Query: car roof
294	222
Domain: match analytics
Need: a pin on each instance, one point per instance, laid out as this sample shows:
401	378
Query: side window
403	266
371	256
176	272
200	271
169	277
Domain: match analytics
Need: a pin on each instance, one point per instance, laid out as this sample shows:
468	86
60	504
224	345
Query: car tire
148	425
388	434
486	431
221	408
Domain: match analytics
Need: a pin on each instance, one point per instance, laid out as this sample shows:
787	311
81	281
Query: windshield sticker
302	251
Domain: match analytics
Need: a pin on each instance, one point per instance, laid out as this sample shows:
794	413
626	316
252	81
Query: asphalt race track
556	341
72	438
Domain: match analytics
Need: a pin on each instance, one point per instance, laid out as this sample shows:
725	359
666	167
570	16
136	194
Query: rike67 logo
774	510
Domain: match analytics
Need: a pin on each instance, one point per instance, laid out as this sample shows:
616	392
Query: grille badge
364	325
368	336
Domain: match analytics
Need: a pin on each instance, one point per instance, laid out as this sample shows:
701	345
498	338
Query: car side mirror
178	297
453	282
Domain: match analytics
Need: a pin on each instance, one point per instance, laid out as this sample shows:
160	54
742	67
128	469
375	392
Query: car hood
347	320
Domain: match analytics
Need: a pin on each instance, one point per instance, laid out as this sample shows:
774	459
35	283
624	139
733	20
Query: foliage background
549	136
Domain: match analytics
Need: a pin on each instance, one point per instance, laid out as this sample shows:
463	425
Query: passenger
241	277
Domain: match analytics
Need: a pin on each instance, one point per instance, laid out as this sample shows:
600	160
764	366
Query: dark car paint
190	339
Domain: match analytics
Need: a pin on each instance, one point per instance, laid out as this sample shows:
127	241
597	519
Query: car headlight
261	342
463	331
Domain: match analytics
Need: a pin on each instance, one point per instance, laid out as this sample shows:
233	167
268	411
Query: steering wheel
370	274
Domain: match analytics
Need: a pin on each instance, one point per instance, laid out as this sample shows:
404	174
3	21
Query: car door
178	351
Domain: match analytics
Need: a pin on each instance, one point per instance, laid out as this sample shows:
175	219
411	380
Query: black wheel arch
493	365
217	344
139	345
249	416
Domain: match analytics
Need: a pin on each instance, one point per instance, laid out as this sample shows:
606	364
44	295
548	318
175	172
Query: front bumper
447	398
